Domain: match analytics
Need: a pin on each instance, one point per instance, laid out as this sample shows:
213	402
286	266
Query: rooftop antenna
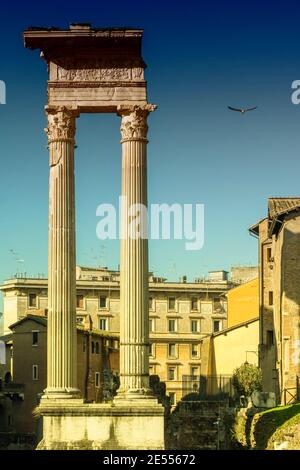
173	269
95	259
153	268
17	259
102	256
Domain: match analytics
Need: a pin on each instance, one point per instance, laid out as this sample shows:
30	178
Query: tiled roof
281	205
36	318
6	338
255	227
43	321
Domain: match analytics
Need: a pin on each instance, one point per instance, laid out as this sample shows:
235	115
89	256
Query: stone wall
197	425
17	441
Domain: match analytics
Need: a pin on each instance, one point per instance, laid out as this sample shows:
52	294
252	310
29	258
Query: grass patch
270	425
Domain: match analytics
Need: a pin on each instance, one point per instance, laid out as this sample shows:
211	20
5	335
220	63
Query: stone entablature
108	73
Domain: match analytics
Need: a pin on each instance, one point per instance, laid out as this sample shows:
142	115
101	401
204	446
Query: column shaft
61	335
134	311
134	329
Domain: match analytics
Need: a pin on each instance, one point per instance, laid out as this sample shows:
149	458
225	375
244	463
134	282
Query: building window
79	301
286	355
194	326
194	350
150	303
93	347
171	372
217	303
194	303
35	372
172	350
270	338
269	255
172	325
102	301
151	325
217	326
84	345
35	338
171	303
270	298
97	347
152	350
103	324
7	377
97	379
32	300
194	372
172	396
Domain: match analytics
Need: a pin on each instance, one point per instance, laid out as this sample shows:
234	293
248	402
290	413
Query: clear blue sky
201	56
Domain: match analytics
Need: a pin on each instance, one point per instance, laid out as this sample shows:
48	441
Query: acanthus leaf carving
61	124
134	121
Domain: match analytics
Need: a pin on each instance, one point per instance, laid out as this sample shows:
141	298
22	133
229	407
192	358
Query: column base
61	394
143	397
72	426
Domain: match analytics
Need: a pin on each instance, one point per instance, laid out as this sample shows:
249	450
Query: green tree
246	379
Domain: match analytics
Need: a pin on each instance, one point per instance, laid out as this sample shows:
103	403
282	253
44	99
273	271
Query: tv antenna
17	259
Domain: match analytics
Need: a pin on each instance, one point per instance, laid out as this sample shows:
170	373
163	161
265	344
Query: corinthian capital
134	121
61	124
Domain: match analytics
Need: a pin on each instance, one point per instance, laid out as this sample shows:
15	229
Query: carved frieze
98	70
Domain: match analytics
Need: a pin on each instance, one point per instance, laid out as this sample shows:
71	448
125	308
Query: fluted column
134	313
61	334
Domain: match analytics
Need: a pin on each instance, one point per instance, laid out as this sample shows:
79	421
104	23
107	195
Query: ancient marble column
134	312
61	334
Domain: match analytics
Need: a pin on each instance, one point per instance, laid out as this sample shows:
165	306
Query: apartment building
180	314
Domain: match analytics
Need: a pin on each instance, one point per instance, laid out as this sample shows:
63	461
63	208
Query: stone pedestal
76	426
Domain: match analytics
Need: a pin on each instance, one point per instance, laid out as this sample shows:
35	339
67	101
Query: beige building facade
180	314
231	348
279	277
97	363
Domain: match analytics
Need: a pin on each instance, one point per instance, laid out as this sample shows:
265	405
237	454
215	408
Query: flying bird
242	110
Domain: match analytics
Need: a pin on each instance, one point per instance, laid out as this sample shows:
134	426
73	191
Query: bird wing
235	109
251	109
